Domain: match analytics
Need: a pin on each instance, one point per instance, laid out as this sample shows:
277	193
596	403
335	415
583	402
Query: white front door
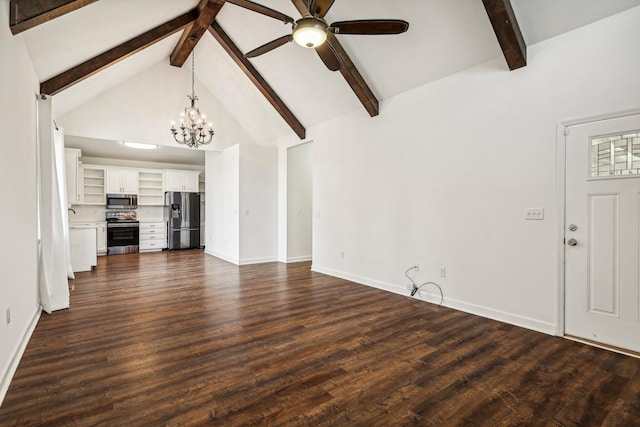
602	222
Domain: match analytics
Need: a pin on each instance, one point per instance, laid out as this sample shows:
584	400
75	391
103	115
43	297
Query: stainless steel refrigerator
182	211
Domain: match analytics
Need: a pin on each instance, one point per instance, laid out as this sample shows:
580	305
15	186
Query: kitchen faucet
72	210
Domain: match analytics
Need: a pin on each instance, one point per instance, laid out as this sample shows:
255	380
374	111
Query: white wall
442	177
258	204
242	204
142	108
299	203
222	183
18	254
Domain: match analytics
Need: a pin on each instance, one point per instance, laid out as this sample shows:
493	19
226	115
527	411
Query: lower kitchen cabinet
153	236
82	247
101	234
101	228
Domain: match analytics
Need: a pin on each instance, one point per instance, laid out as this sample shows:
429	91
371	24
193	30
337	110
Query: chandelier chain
193	74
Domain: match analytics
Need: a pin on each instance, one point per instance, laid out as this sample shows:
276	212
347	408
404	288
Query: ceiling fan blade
370	26
264	10
267	47
328	56
320	7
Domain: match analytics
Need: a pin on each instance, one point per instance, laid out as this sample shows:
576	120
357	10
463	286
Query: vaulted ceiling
84	47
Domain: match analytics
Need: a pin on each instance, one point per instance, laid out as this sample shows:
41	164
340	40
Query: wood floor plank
182	338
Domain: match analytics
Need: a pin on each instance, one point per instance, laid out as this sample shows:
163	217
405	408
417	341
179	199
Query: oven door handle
123	225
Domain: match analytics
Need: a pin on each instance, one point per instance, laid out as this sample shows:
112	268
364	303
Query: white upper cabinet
186	181
122	181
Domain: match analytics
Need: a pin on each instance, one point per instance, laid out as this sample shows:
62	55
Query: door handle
572	242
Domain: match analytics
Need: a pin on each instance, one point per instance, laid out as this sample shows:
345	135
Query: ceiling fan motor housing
310	32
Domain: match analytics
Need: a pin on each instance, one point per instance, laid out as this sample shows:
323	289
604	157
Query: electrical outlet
534	213
8	315
443	271
342	255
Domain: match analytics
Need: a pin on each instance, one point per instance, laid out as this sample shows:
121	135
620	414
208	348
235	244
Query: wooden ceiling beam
26	14
348	70
250	71
507	30
112	56
208	10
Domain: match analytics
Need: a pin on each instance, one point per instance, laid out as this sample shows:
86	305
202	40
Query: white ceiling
101	148
444	37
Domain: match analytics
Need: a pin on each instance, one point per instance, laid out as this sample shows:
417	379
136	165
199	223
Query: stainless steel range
123	232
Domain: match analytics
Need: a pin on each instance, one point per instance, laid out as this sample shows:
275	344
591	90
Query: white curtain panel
61	175
52	215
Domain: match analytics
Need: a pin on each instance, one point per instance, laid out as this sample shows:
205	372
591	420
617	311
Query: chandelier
192	122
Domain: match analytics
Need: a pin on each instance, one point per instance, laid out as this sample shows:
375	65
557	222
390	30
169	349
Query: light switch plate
534	213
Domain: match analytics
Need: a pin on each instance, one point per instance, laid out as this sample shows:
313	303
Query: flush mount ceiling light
192	121
139	146
310	32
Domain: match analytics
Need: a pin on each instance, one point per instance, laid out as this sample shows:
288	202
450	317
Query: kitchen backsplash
84	213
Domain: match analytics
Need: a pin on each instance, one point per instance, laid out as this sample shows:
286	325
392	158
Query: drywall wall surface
299	203
135	110
222	182
442	177
258	204
18	254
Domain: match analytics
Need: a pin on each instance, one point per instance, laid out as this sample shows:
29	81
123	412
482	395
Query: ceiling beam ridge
208	10
112	56
26	14
348	69
252	73
505	25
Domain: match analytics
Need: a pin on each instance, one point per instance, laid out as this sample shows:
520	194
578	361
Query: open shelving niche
93	180
151	191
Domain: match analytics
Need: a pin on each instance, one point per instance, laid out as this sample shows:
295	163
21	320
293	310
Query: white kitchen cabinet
150	185
101	233
176	180
101	243
153	236
122	181
91	185
82	247
72	165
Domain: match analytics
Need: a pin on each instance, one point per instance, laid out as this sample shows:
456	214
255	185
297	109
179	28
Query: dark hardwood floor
183	338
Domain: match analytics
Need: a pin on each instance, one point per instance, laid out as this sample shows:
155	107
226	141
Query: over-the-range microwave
122	201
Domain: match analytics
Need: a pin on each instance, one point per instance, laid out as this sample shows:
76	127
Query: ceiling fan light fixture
310	32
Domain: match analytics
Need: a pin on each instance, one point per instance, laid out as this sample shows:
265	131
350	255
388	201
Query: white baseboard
237	261
298	259
17	355
249	261
478	310
222	257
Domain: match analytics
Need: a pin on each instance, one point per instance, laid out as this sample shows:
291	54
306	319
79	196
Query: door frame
562	131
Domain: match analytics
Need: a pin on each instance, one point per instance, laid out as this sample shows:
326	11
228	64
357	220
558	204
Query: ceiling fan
311	30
